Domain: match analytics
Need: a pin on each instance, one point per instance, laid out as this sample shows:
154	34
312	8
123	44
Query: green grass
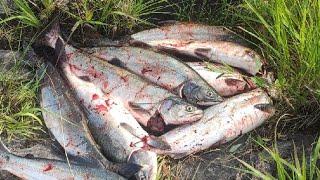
297	168
204	11
288	32
19	117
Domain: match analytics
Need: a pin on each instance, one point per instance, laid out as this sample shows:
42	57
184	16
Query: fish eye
210	93
189	108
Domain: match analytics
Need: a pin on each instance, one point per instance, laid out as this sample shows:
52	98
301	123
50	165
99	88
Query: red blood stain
93	72
145	70
48	167
105	85
69	55
233	82
100	108
73	68
131	144
125	78
95	97
70	143
81	101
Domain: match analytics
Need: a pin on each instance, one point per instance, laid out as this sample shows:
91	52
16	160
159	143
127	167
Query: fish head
200	95
174	110
148	161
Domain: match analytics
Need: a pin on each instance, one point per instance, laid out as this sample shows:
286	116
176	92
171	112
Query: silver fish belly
39	168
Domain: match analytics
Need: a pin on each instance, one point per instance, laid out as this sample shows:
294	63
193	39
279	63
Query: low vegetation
285	32
298	167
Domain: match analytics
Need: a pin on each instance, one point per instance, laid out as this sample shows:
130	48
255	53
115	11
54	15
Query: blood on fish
73	68
105	85
145	70
95	97
232	82
125	78
69	55
93	72
48	167
100	108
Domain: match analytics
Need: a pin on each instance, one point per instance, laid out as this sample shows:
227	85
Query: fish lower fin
128	170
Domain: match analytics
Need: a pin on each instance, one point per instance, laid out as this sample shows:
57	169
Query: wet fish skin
221	123
226	84
116	82
222	52
185	31
38	168
118	143
162	70
66	121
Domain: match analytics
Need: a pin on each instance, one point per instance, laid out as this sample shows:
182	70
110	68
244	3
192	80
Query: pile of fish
113	109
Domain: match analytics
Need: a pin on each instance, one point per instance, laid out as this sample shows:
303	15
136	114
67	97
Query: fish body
221	123
150	104
160	69
106	119
112	124
39	169
66	120
185	31
225	83
222	52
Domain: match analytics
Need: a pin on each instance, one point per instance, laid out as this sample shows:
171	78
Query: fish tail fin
50	44
4	155
128	170
51	34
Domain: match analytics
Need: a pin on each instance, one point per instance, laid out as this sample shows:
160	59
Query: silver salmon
221	123
39	169
185	31
222	52
162	70
65	119
150	104
114	128
224	82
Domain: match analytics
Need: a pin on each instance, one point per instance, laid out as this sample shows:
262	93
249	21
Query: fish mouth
197	115
209	103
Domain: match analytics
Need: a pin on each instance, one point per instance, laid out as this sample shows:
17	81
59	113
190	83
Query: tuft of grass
297	168
19	115
204	11
289	34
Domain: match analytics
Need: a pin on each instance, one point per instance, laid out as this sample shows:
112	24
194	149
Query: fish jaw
202	95
174	110
221	123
